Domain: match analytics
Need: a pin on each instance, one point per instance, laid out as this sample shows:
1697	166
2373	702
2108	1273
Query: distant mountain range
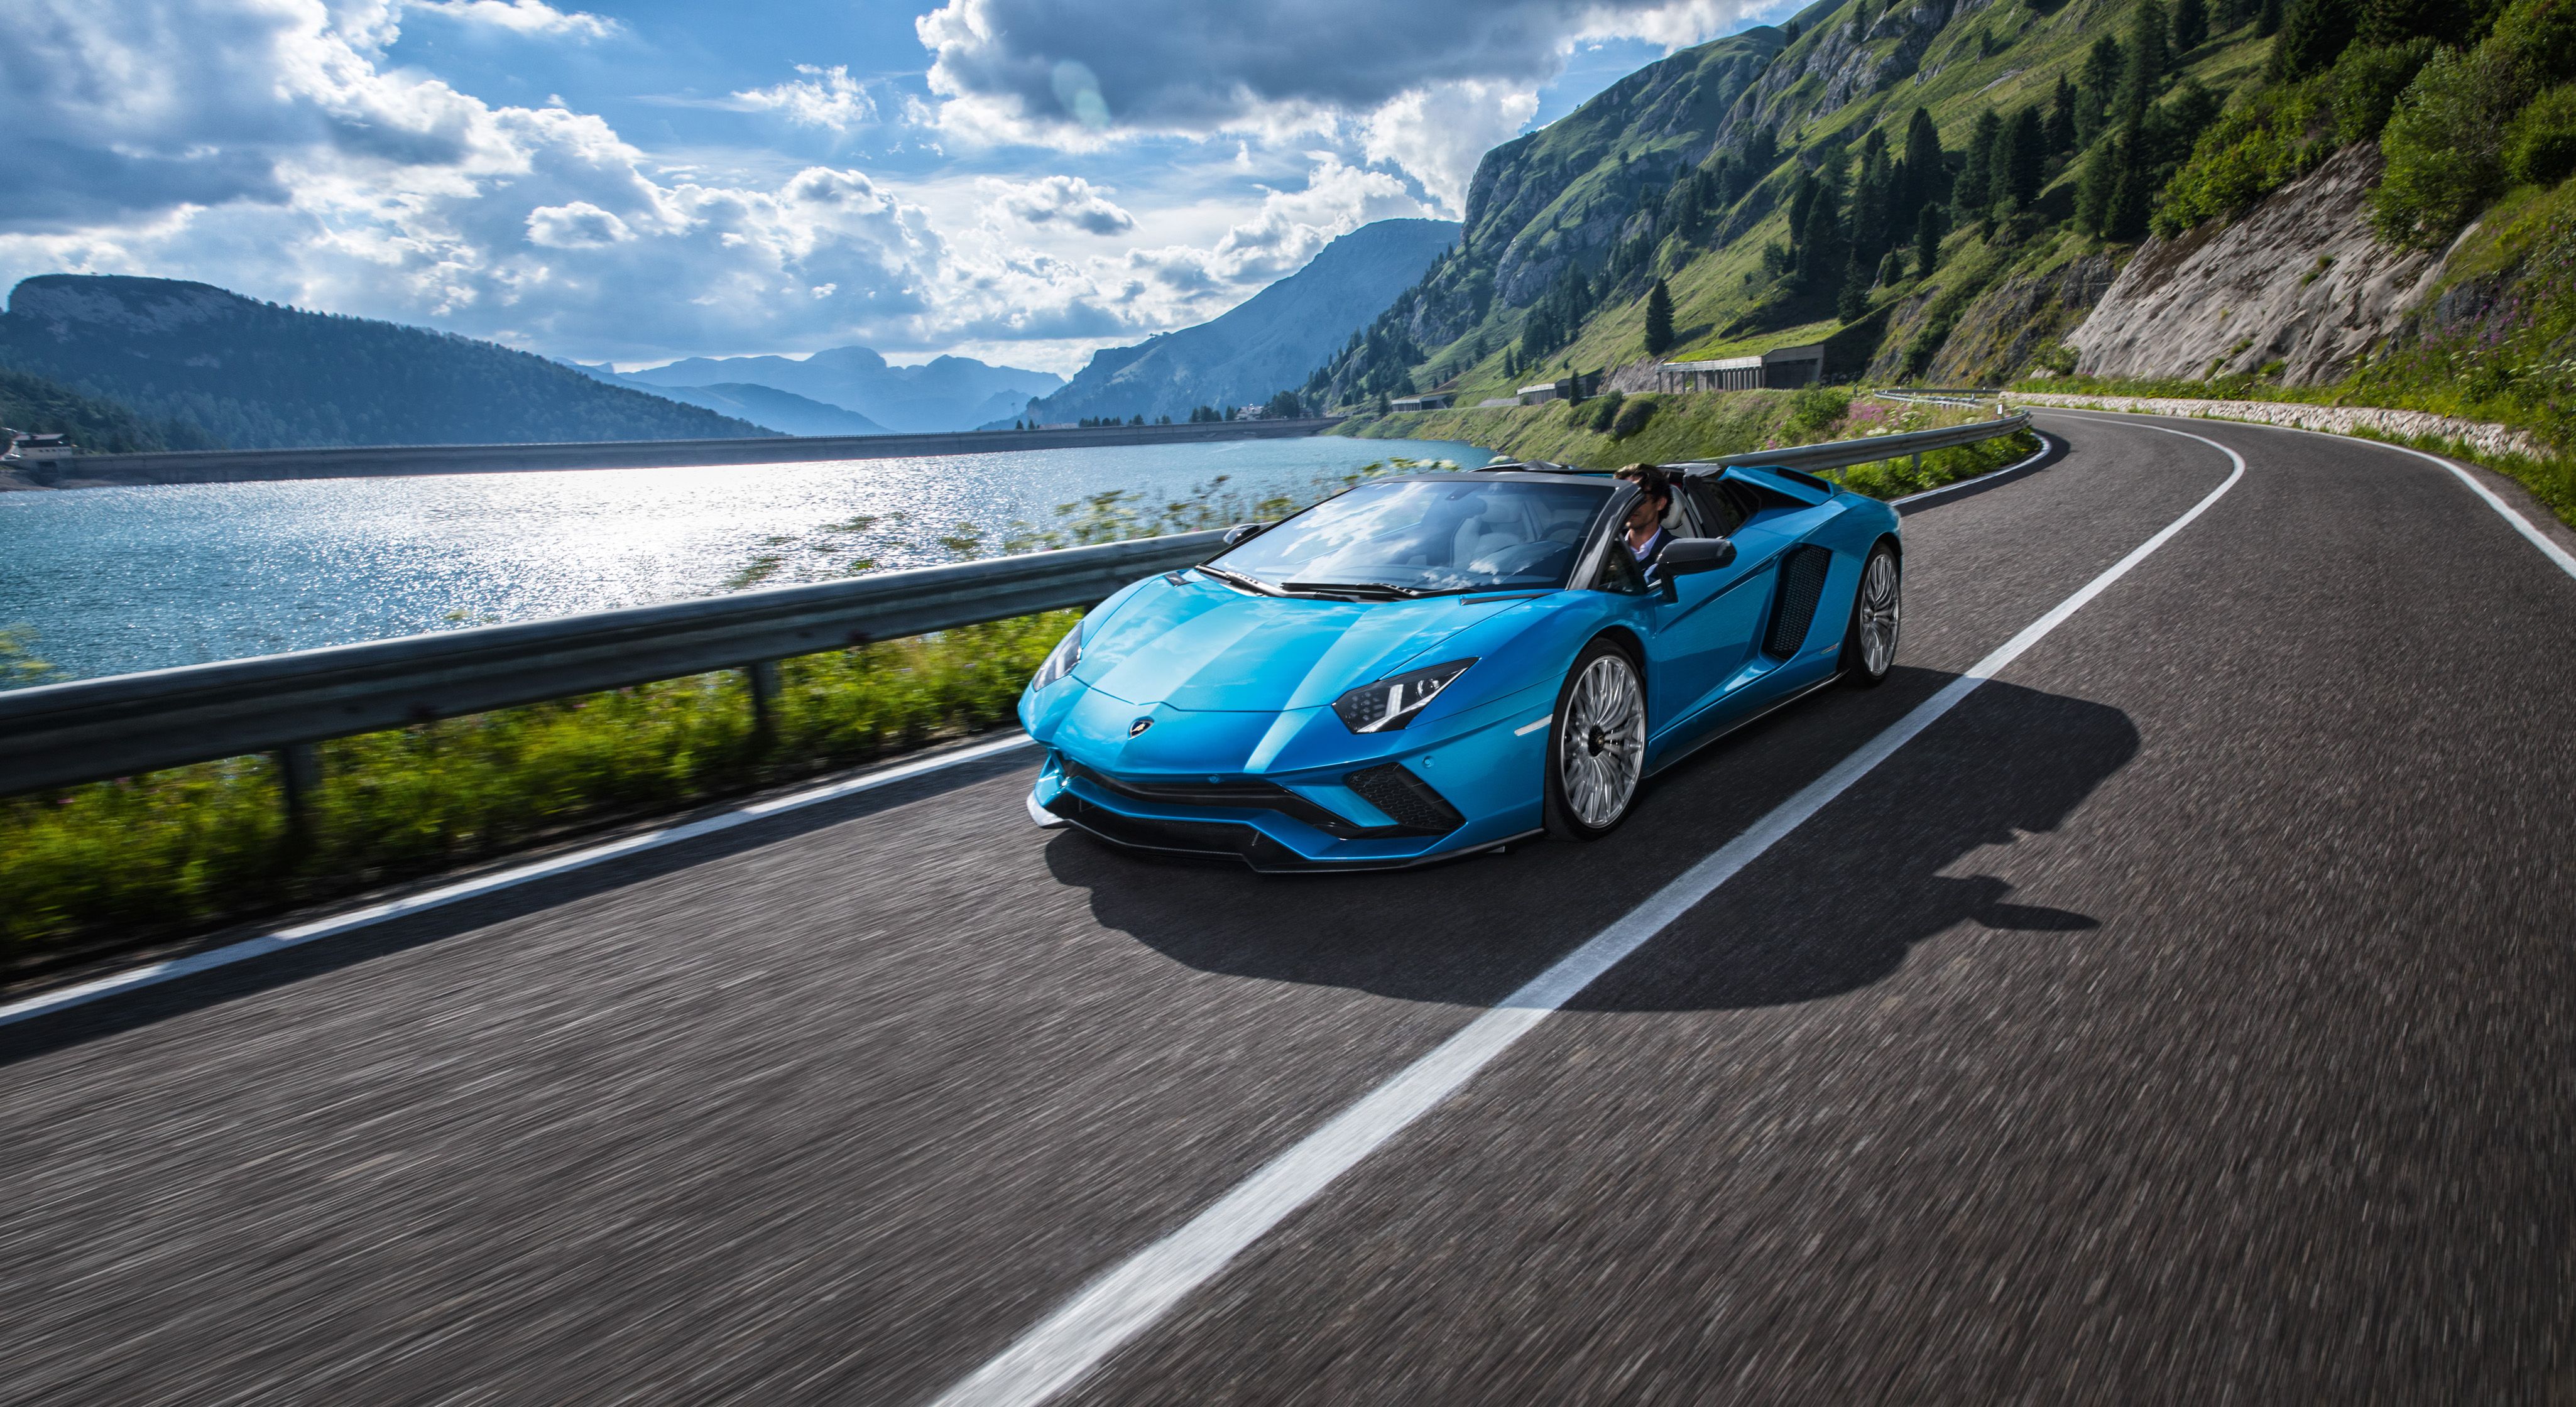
945	393
783	411
1267	344
230	371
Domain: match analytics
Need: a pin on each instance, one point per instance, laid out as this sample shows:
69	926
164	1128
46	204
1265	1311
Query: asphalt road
2184	1016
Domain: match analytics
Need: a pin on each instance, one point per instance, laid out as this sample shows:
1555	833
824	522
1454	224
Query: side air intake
1802	582
1406	799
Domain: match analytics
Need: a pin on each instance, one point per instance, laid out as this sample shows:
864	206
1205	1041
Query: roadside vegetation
156	857
1609	430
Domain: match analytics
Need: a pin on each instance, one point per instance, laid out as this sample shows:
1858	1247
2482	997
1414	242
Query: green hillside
39	406
1937	190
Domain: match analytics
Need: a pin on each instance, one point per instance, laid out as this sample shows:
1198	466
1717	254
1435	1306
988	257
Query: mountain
254	375
1267	343
1946	189
783	411
946	393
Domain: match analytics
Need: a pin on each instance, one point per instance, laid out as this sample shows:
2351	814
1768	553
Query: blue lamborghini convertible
1439	663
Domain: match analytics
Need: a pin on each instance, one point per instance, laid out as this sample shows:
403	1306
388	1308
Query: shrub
2251	151
2539	38
1632	418
2365	84
1604	411
2445	147
1816	408
2540	146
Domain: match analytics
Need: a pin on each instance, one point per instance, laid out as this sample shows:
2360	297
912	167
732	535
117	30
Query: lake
109	581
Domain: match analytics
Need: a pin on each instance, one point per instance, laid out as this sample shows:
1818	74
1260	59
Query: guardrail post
299	771
1918	466
763	675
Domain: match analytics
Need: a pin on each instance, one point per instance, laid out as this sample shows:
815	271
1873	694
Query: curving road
2185	1014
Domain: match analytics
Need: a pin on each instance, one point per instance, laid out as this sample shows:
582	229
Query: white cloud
530	17
825	97
1439	133
1067	200
1428	86
578	225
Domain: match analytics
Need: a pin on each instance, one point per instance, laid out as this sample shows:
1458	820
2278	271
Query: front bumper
1294	790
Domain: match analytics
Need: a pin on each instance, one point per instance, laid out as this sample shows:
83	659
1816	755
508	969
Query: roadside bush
2540	146
1632	418
1605	410
1814	410
2252	150
2445	148
2365	84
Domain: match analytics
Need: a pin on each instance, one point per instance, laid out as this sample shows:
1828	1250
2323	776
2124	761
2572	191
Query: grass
155	857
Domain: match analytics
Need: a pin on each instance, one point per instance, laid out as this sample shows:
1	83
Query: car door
1702	624
1784	569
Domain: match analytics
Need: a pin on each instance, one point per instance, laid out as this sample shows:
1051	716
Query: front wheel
1878	607
1597	749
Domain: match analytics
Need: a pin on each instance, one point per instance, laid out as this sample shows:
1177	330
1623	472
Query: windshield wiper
1390	590
1232	577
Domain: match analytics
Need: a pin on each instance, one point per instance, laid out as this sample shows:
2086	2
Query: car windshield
1424	537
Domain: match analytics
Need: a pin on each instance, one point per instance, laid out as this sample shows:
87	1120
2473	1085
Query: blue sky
638	180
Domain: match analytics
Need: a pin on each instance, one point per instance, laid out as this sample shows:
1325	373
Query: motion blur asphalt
2185	1015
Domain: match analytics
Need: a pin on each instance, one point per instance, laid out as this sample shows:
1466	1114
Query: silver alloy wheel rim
1880	608
1602	741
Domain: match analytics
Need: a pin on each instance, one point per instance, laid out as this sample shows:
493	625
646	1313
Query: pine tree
1927	240
2098	90
1820	253
2144	75
2313	35
1802	203
2093	187
1852	301
1925	172
1975	188
2190	25
2127	217
1659	319
2024	167
2267	20
2061	120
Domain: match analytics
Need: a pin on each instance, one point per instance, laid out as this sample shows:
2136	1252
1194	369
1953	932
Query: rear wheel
1597	747
1878	607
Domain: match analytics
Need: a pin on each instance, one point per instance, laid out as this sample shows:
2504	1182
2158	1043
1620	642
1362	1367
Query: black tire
1602	743
1877	618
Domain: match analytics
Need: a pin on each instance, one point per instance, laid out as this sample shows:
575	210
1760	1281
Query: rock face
2297	280
1997	334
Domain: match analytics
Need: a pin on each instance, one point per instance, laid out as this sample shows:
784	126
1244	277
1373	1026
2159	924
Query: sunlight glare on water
108	581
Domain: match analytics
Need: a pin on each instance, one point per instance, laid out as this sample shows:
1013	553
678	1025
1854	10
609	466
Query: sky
1021	181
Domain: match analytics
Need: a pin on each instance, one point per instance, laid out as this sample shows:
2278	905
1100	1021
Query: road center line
1130	1298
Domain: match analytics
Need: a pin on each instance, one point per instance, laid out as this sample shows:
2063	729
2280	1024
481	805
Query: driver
1645	533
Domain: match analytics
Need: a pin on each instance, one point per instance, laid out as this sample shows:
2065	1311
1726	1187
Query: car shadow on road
1835	907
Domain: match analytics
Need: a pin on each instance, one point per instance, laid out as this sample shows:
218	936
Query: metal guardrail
57	735
1842	454
1967	396
60	734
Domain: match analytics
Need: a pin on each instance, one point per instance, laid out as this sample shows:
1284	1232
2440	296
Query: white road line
1130	1298
153	974
2521	524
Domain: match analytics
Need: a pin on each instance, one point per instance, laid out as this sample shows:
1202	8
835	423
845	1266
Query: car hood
1200	645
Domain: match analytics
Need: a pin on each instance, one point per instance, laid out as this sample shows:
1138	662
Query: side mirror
1241	531
1684	555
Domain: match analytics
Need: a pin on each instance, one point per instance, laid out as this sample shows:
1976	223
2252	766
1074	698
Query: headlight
1061	660
1391	702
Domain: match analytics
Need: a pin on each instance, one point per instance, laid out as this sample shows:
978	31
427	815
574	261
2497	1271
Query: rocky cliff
2298	280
